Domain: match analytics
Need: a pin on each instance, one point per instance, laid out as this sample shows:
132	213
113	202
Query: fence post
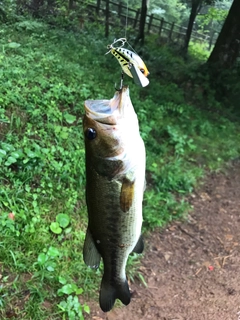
160	27
119	9
150	22
120	14
136	18
179	33
171	31
211	40
98	6
107	19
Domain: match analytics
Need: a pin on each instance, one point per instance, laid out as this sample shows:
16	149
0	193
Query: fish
115	183
131	64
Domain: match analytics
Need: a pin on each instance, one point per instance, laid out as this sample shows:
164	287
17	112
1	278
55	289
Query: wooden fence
113	14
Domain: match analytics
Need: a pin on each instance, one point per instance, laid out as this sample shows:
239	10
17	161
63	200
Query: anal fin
91	256
139	246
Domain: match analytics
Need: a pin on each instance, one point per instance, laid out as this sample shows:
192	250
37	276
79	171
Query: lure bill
130	63
115	183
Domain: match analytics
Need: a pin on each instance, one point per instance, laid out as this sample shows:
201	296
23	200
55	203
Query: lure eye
142	70
91	133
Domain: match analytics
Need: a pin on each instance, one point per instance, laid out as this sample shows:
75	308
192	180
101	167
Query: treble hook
110	46
121	83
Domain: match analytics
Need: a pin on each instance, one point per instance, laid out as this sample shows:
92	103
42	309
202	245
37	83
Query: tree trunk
70	5
196	4
50	4
35	6
140	37
107	19
227	47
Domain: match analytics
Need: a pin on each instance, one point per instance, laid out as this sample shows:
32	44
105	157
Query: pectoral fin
127	194
139	246
91	255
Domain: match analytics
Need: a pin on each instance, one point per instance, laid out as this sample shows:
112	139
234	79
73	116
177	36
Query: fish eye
142	70
91	133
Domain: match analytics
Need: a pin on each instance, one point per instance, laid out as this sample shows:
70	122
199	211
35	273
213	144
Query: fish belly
115	232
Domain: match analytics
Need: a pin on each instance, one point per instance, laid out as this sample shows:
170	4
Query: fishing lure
130	63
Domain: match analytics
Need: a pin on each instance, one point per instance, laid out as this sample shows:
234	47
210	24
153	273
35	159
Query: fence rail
112	13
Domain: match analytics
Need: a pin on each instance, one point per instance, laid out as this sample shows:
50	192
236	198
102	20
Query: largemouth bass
115	175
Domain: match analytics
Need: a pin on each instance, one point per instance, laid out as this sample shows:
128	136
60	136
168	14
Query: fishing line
126	26
131	47
126	23
129	61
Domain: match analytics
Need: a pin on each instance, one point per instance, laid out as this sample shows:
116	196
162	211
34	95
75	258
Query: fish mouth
99	109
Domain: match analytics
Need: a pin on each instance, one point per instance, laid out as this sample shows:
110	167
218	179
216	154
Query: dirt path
192	268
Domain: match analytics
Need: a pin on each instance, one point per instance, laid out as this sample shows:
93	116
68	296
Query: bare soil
192	268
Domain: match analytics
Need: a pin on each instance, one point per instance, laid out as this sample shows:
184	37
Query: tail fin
109	292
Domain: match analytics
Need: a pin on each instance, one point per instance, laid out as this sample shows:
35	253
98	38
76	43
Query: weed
72	308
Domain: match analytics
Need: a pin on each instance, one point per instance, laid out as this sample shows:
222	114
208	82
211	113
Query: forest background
52	59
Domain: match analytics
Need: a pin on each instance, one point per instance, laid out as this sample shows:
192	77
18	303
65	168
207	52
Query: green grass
45	76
